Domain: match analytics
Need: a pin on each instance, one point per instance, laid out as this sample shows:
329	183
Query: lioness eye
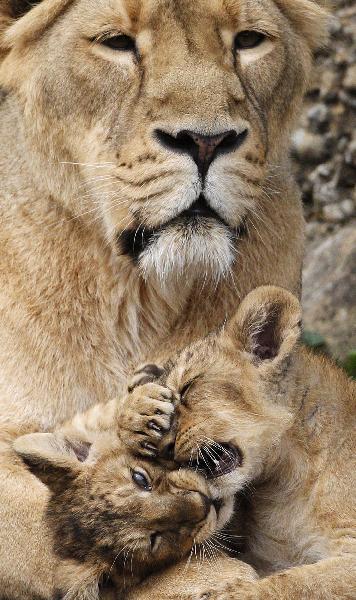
141	481
120	42
248	39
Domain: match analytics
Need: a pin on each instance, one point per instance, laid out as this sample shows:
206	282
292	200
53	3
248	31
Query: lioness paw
147	419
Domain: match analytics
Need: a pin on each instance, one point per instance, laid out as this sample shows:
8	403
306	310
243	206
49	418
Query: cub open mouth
133	242
218	459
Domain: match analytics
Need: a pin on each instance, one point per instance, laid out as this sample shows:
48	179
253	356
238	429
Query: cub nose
202	148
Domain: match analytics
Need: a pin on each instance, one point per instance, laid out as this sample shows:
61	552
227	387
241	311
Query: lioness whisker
94	166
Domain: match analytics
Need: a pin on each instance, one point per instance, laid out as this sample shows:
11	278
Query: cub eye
185	388
141	480
123	43
248	39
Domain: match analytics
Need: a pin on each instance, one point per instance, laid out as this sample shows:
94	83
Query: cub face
113	508
172	115
235	391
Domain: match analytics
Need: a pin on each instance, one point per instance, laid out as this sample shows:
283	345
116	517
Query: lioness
113	513
278	422
145	189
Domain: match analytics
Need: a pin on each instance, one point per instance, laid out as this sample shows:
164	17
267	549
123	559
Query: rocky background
324	153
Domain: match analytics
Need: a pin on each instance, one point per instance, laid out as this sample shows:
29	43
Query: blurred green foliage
317	342
314	340
350	364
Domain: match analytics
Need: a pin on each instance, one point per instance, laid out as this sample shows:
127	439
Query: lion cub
113	512
276	422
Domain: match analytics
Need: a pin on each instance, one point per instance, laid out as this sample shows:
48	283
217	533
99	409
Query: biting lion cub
276	422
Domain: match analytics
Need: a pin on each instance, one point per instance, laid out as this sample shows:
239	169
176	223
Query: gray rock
325	193
350	155
321	173
332	213
329	296
335	27
347	175
348	208
319	118
350	79
329	81
342	144
310	147
348	99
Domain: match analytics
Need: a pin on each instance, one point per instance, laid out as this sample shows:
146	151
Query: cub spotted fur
112	512
250	391
145	189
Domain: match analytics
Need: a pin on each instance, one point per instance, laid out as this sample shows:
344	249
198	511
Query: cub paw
147	373
147	420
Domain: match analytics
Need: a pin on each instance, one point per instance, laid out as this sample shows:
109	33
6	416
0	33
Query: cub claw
153	425
149	447
147	419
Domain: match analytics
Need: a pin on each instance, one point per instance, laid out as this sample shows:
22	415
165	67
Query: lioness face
175	114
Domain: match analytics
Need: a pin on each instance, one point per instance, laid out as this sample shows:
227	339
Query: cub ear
53	458
267	325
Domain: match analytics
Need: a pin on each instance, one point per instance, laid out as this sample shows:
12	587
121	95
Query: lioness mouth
199	209
134	241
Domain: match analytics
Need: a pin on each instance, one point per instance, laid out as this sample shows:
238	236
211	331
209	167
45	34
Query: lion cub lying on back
270	417
112	511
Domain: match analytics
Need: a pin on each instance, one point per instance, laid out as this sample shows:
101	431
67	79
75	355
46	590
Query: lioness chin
276	422
145	189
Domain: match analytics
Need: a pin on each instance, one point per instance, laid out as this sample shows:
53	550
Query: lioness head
171	116
107	504
236	388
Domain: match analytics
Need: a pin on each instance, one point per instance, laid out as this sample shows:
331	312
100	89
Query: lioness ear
17	8
310	17
54	459
11	10
267	325
27	19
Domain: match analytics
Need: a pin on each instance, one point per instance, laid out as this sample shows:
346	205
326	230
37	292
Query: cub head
236	391
108	505
162	120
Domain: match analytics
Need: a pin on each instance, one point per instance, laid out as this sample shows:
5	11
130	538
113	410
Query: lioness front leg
330	579
76	581
188	579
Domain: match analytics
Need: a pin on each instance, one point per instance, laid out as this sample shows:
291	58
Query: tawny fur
293	416
103	522
80	164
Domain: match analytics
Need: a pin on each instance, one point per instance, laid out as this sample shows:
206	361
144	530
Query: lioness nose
202	148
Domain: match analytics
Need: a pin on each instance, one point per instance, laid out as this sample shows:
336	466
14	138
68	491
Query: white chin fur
202	251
